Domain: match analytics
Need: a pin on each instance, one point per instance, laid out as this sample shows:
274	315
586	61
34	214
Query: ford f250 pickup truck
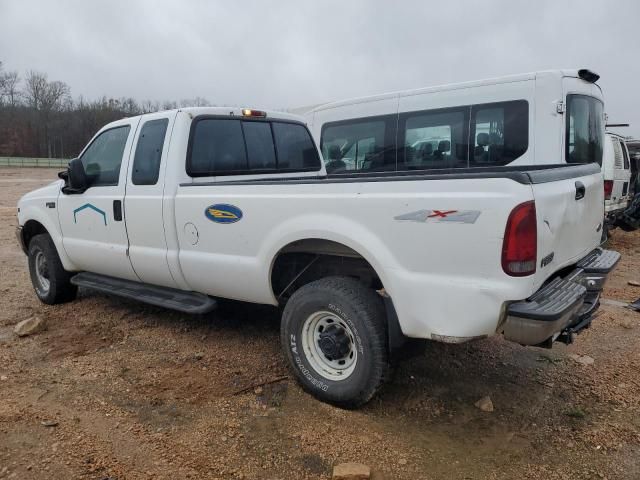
180	208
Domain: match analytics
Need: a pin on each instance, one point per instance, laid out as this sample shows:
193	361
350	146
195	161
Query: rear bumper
563	306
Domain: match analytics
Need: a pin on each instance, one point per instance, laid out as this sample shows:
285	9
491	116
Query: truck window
353	145
146	163
217	147
295	147
102	159
260	148
500	132
236	147
436	139
584	134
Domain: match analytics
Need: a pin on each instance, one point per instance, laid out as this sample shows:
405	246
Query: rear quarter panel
444	276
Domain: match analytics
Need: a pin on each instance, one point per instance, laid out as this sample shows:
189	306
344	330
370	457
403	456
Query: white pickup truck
181	207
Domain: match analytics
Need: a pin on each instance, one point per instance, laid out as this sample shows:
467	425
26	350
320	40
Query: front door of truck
92	223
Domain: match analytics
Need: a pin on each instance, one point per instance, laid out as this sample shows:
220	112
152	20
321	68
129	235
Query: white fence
33	162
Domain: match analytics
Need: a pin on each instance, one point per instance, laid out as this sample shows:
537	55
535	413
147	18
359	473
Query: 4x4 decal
456	216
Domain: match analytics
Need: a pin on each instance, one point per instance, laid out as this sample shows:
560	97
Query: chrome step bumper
562	307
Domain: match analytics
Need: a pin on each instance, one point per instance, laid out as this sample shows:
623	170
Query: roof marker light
247	112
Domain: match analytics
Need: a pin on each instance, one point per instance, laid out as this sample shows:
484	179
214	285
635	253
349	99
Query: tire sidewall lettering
303	369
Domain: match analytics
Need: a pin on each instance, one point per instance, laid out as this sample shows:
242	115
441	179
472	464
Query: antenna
610	125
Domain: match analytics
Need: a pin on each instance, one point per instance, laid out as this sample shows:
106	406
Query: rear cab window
584	136
225	146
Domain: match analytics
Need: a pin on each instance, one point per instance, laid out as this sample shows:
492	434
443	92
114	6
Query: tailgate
570	212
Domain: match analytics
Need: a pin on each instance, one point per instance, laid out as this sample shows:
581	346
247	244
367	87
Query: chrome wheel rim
42	272
329	346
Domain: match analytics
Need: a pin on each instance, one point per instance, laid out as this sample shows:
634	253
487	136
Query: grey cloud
280	54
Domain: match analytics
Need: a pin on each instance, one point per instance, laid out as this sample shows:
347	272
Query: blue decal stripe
92	207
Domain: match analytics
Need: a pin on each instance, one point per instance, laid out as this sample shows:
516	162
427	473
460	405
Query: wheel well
30	230
305	261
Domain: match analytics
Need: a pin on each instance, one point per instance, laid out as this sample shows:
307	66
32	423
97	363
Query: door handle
117	210
580	190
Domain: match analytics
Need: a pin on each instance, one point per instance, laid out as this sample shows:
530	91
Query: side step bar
188	302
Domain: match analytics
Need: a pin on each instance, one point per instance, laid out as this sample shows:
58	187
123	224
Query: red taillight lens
608	188
520	244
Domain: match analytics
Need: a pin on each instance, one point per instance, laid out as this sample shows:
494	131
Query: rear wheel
334	335
50	280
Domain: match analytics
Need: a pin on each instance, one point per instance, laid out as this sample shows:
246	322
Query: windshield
585	129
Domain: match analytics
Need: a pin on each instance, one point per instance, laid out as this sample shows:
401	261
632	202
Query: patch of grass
576	412
548	359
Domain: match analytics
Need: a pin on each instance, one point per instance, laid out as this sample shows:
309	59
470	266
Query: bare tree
44	97
34	89
195	102
9	88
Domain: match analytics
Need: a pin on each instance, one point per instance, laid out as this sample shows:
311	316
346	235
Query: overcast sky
277	54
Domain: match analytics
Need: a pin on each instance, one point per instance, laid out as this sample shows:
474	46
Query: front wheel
334	334
49	278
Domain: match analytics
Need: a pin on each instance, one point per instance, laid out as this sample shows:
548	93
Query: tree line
40	118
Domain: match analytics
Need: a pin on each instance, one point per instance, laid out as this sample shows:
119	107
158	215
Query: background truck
181	207
616	170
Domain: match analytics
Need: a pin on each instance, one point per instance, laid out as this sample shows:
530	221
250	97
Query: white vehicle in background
536	118
182	207
616	171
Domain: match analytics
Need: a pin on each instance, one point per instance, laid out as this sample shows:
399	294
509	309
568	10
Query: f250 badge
223	213
455	216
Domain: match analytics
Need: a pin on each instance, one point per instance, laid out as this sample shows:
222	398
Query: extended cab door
144	199
92	223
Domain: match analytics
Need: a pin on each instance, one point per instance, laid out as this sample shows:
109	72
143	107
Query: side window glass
354	146
435	140
260	150
146	163
584	137
103	158
295	147
217	147
501	133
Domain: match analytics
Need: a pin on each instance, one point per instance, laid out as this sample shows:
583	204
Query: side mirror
75	178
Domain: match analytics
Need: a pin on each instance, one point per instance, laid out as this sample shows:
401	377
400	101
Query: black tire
60	288
362	310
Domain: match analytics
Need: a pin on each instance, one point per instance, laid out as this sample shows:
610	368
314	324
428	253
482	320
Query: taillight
520	244
608	188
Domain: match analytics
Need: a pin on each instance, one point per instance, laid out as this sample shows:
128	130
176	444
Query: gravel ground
114	389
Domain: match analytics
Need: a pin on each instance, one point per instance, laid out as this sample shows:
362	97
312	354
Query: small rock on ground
351	471
634	283
485	404
582	359
30	326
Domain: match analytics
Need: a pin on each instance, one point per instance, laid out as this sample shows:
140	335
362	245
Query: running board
183	301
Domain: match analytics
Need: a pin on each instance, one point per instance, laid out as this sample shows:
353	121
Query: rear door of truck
570	200
570	212
143	206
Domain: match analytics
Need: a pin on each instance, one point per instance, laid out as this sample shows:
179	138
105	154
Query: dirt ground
138	392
